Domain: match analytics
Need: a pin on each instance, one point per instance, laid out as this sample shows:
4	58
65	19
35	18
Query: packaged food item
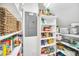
43	35
60	46
17	42
42	42
1	49
2	34
41	12
4	50
51	48
46	34
8	47
44	50
43	21
50	41
47	28
45	12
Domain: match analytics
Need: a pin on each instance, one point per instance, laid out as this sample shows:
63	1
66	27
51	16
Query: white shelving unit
49	21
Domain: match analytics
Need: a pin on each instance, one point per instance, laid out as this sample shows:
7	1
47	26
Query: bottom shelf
61	52
15	51
50	54
66	52
69	45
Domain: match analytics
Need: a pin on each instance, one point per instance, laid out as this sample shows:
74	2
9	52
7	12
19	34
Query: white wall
66	12
31	7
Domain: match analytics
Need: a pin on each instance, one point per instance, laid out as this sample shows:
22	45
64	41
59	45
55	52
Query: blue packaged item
42	42
1	50
0	47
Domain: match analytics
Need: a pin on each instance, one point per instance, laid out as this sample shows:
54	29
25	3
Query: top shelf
53	18
48	25
9	35
69	35
48	16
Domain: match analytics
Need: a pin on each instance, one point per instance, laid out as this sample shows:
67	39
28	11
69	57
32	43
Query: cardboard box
8	22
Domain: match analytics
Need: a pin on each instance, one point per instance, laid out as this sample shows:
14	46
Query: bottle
4	50
57	29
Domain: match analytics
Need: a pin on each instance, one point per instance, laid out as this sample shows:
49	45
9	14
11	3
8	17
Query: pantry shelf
69	45
66	52
47	38
61	52
47	31
52	53
69	35
48	54
9	35
15	51
48	16
49	25
47	45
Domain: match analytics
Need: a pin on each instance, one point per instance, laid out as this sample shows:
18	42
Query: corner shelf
51	24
